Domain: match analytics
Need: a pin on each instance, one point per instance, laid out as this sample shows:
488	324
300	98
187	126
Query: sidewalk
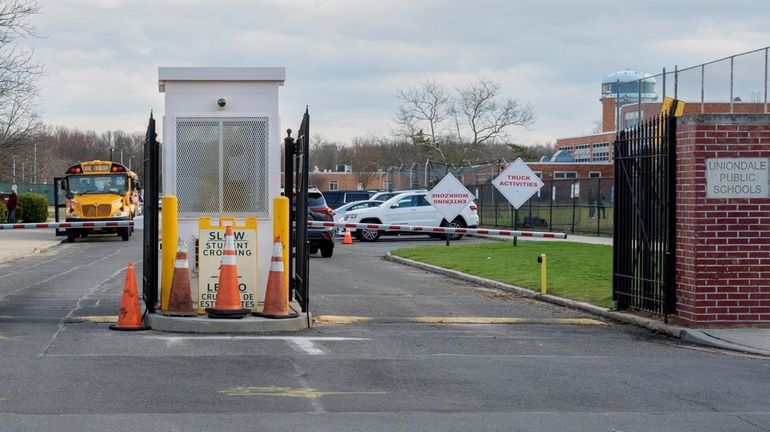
21	243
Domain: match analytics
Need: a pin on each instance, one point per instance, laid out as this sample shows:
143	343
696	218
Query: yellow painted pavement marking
95	319
339	319
307	393
2	337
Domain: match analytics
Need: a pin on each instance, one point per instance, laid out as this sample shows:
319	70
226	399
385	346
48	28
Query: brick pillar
723	244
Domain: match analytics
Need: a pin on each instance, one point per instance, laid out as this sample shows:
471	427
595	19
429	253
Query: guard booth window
222	165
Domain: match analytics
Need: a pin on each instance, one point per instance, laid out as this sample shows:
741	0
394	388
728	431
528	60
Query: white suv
409	208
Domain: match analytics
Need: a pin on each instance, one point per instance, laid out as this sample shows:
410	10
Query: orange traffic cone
276	298
228	303
347	239
130	317
180	299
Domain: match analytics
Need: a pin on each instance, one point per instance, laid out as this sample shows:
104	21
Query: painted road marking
307	346
337	319
308	393
302	343
94	319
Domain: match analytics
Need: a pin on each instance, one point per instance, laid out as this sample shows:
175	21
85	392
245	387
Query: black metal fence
644	239
295	183
577	206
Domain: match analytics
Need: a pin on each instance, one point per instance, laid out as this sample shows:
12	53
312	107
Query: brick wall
723	245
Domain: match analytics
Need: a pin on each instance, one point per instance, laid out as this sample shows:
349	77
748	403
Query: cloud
346	59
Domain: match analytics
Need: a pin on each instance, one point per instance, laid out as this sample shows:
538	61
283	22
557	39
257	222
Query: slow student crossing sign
517	183
211	244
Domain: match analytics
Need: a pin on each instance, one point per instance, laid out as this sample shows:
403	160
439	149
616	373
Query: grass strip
576	271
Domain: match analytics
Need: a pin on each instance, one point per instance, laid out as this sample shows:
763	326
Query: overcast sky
347	59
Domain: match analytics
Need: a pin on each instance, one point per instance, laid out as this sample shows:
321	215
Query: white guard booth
221	149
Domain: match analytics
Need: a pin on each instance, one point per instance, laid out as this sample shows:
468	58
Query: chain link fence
736	84
577	206
425	175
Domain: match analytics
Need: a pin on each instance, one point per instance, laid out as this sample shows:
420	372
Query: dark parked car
319	239
335	199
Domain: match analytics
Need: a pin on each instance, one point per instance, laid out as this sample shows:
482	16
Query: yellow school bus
100	191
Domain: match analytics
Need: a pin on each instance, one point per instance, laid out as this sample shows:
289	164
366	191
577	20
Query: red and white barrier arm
95	224
439	230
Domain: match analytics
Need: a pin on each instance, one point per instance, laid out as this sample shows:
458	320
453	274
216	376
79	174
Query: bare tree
366	161
423	107
327	155
597	126
18	73
482	112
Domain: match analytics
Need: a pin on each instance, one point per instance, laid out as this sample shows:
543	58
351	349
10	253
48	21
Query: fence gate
644	246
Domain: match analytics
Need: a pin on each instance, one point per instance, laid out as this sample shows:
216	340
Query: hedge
33	208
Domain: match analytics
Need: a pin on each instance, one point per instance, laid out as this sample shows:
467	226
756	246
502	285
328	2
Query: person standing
13	203
600	210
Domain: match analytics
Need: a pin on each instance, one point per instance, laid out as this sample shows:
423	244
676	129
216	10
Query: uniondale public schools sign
737	178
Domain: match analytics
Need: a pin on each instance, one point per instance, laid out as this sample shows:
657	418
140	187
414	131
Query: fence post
574	204
552	196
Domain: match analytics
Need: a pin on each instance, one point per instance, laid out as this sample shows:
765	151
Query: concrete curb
700	337
204	325
36	250
650	324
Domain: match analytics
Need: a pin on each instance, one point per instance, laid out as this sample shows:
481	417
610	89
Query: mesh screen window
222	165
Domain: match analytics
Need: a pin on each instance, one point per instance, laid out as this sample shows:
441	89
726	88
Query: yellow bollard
170	229
543	261
281	229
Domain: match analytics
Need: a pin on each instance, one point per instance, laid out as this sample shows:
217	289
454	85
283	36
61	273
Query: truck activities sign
518	183
211	243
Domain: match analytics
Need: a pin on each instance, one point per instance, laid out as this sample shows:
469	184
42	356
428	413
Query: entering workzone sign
211	244
449	197
517	183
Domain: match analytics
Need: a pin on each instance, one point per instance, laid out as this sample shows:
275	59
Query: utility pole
34	178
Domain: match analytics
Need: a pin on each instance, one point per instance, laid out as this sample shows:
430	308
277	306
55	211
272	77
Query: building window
630	119
333	185
582	153
601	152
594	174
560	175
539	174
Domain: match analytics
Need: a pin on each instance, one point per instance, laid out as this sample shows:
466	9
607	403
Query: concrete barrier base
204	324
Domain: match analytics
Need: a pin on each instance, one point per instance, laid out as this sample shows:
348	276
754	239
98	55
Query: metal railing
737	84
